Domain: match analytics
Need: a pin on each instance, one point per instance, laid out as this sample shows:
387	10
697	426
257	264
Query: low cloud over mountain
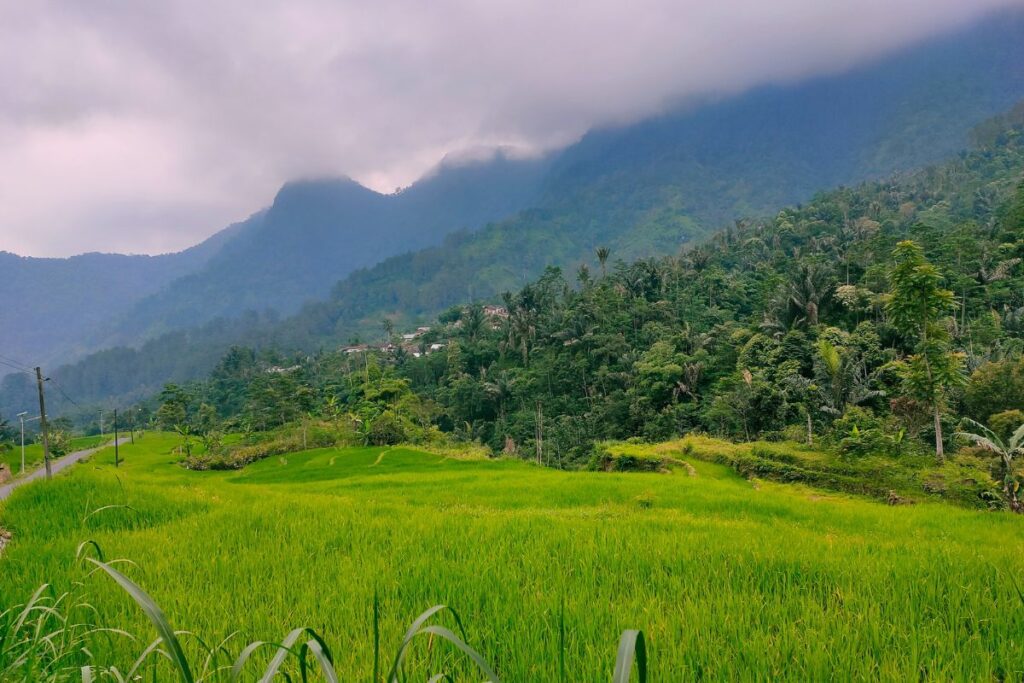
144	127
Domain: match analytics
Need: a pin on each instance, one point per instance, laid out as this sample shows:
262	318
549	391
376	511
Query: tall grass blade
30	607
283	650
144	656
1016	586
85	544
156	616
561	640
409	635
323	658
469	652
315	644
631	647
108	507
418	628
376	636
213	656
243	658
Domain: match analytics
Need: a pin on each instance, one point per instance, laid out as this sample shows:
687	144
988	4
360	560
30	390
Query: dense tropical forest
885	320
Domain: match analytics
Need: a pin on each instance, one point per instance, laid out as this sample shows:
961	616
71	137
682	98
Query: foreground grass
726	579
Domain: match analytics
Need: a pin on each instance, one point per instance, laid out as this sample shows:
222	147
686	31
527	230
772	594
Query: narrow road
56	465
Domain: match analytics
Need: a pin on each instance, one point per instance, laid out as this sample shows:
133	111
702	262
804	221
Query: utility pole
540	433
117	455
42	422
131	423
21	416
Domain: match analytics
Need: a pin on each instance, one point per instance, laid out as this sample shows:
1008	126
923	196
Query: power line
10	363
15	367
21	366
64	393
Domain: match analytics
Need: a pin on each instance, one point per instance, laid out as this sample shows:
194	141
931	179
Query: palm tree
500	390
699	258
473	322
808	291
583	275
602	257
987	439
843	381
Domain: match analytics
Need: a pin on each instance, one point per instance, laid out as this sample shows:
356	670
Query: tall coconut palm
809	290
474	322
843	381
602	256
1007	451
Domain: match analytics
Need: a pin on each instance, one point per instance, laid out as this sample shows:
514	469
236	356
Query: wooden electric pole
117	455
42	422
540	434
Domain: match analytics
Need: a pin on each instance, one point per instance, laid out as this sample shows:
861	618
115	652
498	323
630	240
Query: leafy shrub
632	460
859	433
965	479
389	429
994	388
763	465
1004	424
237	456
777	454
59	442
860	443
795	432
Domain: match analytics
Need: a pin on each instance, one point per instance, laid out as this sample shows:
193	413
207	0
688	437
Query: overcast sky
146	126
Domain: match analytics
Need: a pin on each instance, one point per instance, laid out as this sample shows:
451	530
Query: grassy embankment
966	478
728	578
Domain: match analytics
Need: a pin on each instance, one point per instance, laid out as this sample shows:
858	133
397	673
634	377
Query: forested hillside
872	320
640	190
318	231
649	188
51	306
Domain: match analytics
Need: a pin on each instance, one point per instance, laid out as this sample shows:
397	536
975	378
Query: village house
355	348
493	311
419	332
278	370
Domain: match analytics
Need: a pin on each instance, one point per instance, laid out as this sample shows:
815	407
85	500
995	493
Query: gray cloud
145	127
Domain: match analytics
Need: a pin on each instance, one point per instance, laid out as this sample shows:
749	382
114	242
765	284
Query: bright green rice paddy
728	579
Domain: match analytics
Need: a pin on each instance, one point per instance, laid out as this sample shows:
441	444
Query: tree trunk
939	454
810	430
1011	495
